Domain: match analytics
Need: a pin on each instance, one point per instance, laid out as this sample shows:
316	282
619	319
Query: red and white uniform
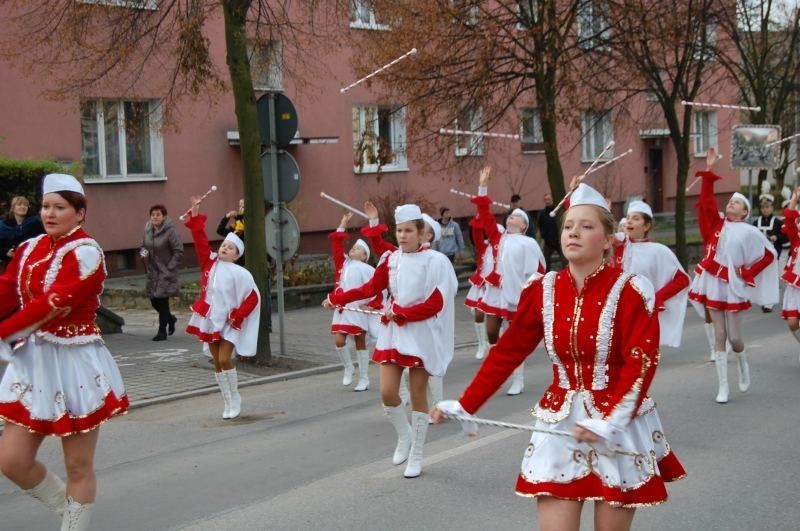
658	264
601	376
739	266
63	379
422	287
484	264
516	258
791	272
229	303
350	274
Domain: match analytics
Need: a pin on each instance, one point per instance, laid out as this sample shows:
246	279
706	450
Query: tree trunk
235	12
680	203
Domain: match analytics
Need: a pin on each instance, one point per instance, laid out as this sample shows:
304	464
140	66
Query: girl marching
791	273
351	271
515	258
602	370
226	315
417	331
484	264
739	267
61	379
658	264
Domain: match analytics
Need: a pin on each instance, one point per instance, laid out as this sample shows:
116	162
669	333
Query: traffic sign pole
272	149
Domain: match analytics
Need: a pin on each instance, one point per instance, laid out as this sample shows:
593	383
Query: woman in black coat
20	224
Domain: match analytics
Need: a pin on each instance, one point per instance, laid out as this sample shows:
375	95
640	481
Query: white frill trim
605	329
548	310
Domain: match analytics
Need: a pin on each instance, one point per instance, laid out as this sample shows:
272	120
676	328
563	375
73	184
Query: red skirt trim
65	425
489	310
508	315
590	487
350	330
392	356
719	305
790	314
471	303
205	337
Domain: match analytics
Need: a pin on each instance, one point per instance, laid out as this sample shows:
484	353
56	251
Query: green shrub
24	177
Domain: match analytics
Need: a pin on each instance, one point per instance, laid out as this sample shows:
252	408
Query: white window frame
589	15
466	11
397	135
705	133
534	4
156	143
358	22
535	142
150	5
597	130
272	53
706	52
474	143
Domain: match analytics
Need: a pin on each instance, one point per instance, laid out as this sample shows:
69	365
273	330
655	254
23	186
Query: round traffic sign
289	231
288	178
285	119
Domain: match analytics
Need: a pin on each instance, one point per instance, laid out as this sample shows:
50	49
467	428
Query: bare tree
765	59
669	44
113	45
478	62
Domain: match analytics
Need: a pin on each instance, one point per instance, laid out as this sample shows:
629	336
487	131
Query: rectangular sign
749	150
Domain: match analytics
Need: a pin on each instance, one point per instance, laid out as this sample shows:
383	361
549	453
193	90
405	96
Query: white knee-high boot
435	391
405	396
363	370
233	388
796	335
744	370
721	362
222	382
52	492
397	416
347	361
517	380
483	341
710	336
76	516
419	430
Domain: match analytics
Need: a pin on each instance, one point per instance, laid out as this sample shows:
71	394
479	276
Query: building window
362	16
527	11
594	30
465	11
706	43
266	65
134	4
379	138
597	131
705	132
652	90
469	119
532	139
121	139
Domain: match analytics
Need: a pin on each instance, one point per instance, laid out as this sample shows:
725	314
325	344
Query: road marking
454	452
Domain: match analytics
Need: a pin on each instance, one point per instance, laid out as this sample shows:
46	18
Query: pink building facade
129	163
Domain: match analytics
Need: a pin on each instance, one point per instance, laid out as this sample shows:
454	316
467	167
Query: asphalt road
310	455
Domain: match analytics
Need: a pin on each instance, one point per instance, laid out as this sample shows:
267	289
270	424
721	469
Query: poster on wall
749	147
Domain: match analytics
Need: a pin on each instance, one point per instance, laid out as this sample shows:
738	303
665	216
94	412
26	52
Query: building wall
197	155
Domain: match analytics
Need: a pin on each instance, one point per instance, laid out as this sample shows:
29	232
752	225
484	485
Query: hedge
24	177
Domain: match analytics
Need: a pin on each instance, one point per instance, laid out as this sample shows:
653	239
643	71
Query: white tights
727	326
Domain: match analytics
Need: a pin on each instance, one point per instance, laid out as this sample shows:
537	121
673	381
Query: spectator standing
18	225
452	241
162	253
548	230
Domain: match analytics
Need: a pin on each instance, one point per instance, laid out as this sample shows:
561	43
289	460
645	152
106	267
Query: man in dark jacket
771	227
548	230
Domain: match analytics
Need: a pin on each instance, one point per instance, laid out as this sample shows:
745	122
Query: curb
292	375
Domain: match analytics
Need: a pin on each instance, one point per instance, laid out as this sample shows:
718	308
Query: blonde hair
16	201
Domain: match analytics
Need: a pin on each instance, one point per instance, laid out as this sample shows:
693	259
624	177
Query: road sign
287	231
750	149
288	178
285	119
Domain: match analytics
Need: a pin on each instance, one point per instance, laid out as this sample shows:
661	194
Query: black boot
160	336
171	324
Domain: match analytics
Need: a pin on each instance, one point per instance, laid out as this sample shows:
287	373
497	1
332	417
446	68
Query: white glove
611	435
453	407
6	354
